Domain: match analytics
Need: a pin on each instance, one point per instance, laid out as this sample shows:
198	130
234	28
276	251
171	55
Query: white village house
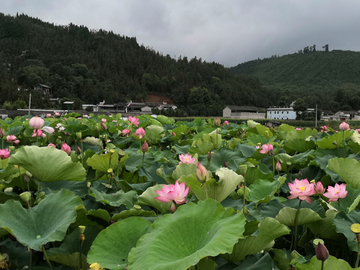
242	112
281	113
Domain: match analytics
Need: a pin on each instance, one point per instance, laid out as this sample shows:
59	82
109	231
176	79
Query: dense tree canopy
97	65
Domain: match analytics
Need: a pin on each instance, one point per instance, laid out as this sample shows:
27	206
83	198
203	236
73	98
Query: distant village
163	103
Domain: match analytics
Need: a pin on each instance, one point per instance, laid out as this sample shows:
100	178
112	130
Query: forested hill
95	65
329	78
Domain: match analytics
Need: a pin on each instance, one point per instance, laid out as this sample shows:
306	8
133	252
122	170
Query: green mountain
330	79
89	66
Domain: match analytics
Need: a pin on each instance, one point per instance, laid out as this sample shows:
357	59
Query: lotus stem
296	227
322	265
46	257
244	198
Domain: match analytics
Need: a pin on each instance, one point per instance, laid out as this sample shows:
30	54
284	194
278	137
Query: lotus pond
106	192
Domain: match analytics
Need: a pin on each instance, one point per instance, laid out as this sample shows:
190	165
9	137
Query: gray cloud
228	32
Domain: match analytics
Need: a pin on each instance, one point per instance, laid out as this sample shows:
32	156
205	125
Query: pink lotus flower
226	123
278	166
335	193
36	122
344	126
37	133
145	147
4	153
202	174
134	121
57	114
319	188
298	128
66	148
302	189
11	138
103	120
51	145
48	115
140	132
324	129
266	148
125	131
173	193
187	159
48	129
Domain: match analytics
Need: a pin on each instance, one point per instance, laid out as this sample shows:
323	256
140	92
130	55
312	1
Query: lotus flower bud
217	122
2	133
103	125
145	147
25	196
321	252
344	126
78	150
209	155
66	148
278	166
226	165
36	122
202	174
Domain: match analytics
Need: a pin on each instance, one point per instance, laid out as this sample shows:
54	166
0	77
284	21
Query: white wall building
281	113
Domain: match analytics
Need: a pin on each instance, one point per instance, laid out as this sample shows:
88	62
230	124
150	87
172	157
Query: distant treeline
89	66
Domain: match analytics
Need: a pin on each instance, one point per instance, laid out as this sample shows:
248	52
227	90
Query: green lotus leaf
264	190
165	120
93	141
269	230
287	216
46	222
298	145
334	141
111	247
183	169
332	263
133	212
99	213
343	223
48	164
180	240
134	162
217	190
154	134
116	199
233	158
71	260
201	147
347	169
325	229
104	162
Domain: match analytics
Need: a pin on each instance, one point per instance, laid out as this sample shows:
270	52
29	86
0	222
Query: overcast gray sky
228	32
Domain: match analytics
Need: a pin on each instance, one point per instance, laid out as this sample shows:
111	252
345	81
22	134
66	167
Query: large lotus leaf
332	263
325	229
183	169
48	164
46	222
71	260
201	147
116	199
269	230
298	145
154	134
217	190
343	223
104	162
333	141
165	120
135	161
180	240
347	169
255	173
231	157
133	212
111	247
263	190
148	198
287	216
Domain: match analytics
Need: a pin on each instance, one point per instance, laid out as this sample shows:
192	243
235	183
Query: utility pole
316	115
29	103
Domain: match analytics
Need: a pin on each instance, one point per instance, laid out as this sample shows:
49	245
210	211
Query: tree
299	107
